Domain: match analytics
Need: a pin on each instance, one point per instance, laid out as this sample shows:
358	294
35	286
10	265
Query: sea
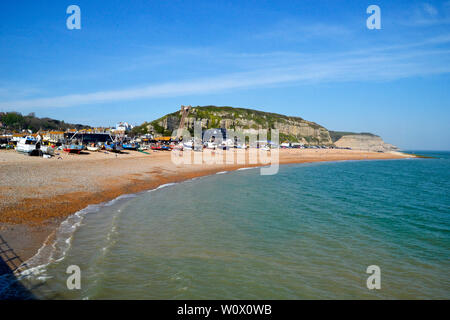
311	231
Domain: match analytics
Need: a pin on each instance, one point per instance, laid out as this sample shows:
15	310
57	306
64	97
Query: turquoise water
308	232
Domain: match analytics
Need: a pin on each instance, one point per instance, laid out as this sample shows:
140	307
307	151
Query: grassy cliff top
230	112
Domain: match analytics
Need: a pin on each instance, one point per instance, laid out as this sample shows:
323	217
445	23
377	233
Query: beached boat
131	146
92	147
73	148
211	145
177	147
161	148
48	149
155	147
26	145
188	146
114	147
192	146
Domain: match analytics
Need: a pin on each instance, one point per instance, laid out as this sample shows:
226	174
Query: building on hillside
122	128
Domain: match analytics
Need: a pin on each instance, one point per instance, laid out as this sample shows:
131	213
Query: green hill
294	129
16	121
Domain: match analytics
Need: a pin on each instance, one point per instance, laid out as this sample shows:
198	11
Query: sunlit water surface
308	232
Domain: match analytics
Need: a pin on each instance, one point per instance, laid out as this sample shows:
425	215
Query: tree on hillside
140	130
13	120
16	121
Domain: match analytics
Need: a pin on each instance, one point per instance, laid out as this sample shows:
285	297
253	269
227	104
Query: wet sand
36	194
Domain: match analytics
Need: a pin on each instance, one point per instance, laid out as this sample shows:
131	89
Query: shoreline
29	220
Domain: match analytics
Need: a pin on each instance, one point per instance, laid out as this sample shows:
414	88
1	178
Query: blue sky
138	60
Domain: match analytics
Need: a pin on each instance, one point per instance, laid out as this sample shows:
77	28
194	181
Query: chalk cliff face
294	129
367	142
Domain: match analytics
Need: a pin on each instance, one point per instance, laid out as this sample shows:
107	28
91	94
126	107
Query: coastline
38	194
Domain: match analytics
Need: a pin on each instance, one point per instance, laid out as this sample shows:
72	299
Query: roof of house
163	138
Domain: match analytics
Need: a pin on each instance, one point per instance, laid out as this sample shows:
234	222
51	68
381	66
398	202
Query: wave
163	186
247	168
56	250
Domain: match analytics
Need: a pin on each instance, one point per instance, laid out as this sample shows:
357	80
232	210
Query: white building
122	127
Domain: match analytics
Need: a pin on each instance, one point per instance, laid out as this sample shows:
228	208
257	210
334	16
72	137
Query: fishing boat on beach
33	146
27	145
93	147
192	145
165	148
73	148
114	147
131	146
161	147
155	147
188	146
48	149
73	145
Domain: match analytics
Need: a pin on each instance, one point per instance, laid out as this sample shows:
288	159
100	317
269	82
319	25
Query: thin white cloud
296	31
361	68
8	90
426	15
430	9
377	63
